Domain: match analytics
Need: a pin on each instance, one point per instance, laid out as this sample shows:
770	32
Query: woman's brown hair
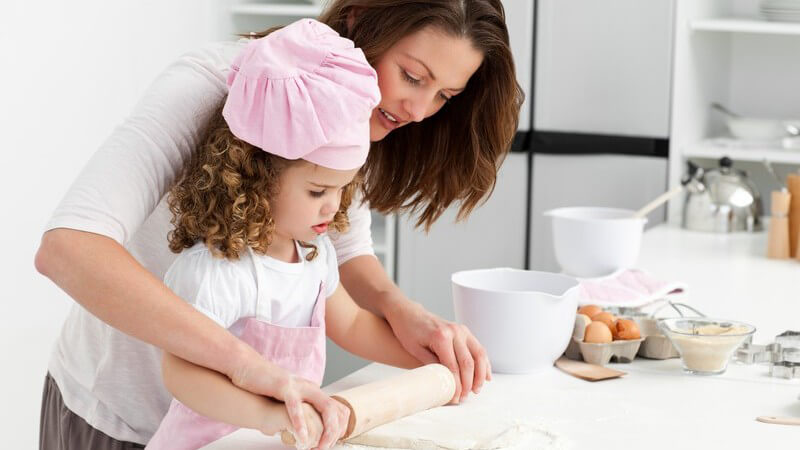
223	196
455	154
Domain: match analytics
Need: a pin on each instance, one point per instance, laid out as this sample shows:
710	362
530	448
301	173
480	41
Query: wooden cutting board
586	371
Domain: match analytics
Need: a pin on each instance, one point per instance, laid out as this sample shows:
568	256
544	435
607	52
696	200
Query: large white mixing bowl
523	318
592	242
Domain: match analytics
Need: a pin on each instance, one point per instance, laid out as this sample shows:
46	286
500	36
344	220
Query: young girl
251	211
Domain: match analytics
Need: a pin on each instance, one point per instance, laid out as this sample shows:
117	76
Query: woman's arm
105	279
426	336
363	333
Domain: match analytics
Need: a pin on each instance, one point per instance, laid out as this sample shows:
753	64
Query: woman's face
417	75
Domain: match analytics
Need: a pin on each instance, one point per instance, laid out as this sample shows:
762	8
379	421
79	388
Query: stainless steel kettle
721	200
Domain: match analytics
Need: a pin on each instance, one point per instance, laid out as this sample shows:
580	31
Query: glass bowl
705	345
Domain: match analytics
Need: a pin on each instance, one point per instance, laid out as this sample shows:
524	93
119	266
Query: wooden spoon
646	209
586	371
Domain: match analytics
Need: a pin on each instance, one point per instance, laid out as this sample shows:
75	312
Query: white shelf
383	236
277	9
745	25
775	155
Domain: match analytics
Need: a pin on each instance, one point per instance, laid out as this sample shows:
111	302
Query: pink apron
299	350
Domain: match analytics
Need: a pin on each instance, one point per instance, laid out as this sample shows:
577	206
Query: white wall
69	72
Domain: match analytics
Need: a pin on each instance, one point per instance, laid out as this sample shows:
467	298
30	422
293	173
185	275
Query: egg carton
621	351
655	345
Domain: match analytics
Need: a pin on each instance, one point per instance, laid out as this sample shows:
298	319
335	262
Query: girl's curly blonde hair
223	195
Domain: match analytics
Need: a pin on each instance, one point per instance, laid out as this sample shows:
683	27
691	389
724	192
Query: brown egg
590	310
597	333
607	318
626	329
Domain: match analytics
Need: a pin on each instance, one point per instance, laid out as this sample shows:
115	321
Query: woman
446	119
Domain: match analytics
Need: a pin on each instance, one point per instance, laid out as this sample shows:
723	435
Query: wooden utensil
646	209
793	184
779	420
778	243
383	401
586	371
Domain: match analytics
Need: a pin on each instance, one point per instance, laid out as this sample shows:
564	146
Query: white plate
781	18
781	7
772	11
780	4
790	16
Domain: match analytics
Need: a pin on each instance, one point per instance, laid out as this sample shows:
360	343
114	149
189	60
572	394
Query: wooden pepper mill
793	184
778	245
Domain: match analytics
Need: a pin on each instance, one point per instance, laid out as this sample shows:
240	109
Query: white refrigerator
594	131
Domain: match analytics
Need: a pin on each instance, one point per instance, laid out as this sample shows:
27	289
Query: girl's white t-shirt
229	290
111	380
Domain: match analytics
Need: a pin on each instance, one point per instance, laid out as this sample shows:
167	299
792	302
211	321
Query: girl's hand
327	437
318	436
323	427
431	339
306	404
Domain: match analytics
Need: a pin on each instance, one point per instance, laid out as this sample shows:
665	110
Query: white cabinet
519	19
603	67
602	97
384	239
725	53
247	16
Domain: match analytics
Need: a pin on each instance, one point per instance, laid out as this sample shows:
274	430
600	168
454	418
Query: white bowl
592	242
704	344
754	128
523	318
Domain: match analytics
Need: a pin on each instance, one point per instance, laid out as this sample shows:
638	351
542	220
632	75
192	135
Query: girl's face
417	76
307	199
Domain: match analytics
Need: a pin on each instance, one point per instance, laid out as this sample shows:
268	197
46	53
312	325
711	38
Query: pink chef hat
304	92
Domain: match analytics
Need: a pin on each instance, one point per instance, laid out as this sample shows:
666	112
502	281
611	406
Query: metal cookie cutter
758	354
783	355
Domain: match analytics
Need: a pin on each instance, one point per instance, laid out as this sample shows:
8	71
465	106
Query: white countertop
657	406
728	276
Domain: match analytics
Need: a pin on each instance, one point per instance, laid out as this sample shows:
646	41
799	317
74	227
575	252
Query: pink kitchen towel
629	288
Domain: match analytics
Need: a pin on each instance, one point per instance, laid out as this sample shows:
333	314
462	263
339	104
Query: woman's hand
315	419
432	339
425	336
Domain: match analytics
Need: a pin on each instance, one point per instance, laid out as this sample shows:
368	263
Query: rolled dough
463	427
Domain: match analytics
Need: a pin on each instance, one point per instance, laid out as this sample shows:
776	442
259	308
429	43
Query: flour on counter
458	428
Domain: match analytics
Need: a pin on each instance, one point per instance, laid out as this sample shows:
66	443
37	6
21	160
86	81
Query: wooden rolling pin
383	401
